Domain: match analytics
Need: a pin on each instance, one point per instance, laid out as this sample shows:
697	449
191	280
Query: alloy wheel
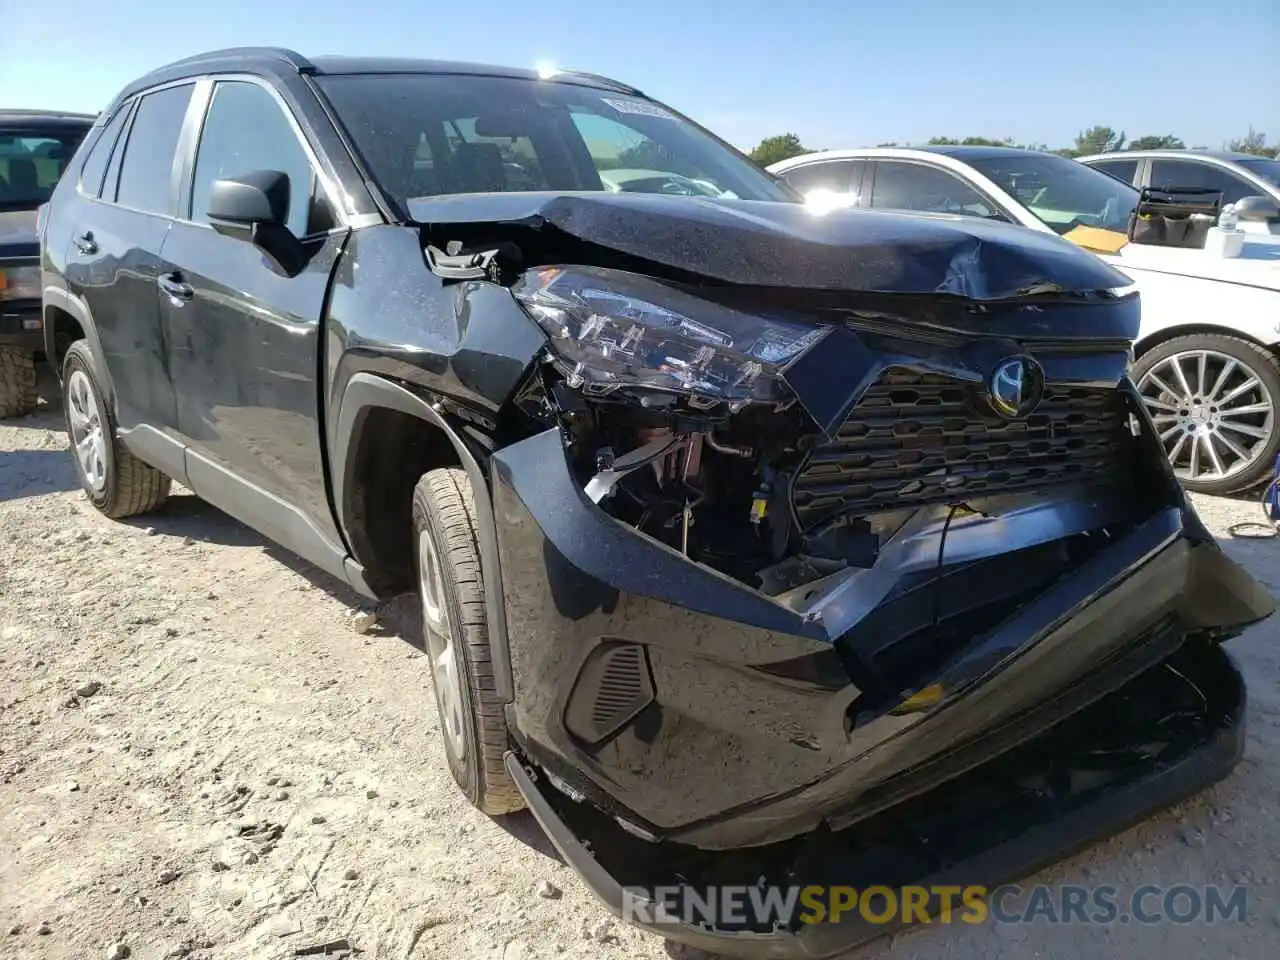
1214	414
438	633
87	434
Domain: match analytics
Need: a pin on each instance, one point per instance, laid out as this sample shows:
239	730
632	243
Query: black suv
35	147
751	542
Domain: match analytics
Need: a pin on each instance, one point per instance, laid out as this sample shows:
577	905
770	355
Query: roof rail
291	57
52	114
602	80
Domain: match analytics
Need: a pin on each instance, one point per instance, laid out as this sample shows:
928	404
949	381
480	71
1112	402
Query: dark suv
753	544
35	147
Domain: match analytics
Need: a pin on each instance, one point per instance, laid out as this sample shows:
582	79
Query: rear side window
838	176
1188	173
246	130
95	166
1126	170
146	172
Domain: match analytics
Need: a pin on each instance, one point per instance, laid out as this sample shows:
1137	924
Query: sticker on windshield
640	107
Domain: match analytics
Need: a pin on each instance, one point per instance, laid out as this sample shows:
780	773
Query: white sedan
1207	361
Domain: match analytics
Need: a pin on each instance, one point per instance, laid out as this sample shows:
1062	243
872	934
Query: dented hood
770	244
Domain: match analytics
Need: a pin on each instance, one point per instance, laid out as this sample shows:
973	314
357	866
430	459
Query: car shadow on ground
34	473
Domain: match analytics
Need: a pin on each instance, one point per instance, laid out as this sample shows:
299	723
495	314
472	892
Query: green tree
774	149
1254	142
1094	140
651	155
970	142
1165	141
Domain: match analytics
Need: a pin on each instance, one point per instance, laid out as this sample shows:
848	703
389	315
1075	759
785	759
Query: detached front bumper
995	824
694	710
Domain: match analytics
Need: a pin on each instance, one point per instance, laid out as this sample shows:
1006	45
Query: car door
115	256
1196	173
924	187
842	178
244	335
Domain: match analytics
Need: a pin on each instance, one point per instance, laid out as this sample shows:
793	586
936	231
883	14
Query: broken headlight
611	330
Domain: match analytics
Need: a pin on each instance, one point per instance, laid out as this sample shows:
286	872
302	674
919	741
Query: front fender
365	392
1170	301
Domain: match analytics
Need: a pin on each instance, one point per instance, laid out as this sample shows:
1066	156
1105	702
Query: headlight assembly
19	283
610	330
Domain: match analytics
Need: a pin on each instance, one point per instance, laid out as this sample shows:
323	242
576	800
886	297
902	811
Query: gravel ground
209	749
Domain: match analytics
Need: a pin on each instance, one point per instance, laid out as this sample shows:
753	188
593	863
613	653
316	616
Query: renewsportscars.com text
777	907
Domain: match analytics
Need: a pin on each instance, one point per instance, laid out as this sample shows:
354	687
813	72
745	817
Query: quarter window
146	173
1183	173
1126	170
95	166
246	130
916	186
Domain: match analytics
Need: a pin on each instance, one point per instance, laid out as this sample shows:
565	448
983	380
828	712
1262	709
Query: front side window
900	185
1063	194
32	162
1126	170
431	134
146	170
1268	170
246	130
1188	173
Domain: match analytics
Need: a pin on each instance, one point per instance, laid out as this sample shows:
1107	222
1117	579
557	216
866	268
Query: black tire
444	509
18	395
131	486
1264	364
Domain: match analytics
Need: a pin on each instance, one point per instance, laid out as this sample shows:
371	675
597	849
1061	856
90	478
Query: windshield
431	134
1268	170
31	161
1062	193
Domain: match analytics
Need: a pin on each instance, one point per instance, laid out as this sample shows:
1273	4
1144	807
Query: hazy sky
837	72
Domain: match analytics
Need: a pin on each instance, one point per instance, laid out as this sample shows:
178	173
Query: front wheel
456	633
1213	399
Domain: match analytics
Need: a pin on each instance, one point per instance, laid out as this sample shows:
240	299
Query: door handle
176	290
86	244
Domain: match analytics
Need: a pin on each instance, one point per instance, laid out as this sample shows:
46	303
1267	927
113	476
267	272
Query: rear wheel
1213	399
456	634
115	481
17	382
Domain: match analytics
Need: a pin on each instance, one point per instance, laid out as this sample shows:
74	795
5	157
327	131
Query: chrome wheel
87	436
1214	414
438	633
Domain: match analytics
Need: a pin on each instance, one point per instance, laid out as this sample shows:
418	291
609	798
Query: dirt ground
206	750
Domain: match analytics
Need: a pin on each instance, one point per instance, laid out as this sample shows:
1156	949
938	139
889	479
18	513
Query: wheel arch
1153	340
410	436
67	319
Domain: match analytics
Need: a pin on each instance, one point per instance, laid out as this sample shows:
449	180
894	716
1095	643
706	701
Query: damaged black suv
755	545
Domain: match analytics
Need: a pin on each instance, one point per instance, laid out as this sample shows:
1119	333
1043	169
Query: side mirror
254	207
1257	208
238	206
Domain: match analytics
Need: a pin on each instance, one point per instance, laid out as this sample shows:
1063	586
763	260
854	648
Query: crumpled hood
18	234
789	244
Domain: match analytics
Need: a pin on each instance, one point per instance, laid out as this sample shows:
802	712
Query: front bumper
21	325
995	824
729	721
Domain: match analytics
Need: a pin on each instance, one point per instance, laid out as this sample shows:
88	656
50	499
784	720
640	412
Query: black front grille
920	438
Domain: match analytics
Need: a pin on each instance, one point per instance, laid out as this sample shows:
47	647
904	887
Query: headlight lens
610	329
19	283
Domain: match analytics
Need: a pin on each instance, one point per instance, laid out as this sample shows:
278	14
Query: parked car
1235	175
739	531
35	146
1206	359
